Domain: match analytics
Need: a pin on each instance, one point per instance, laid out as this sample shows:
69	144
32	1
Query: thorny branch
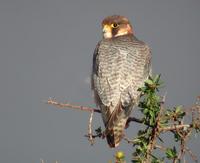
174	123
67	106
164	121
60	105
90	136
72	106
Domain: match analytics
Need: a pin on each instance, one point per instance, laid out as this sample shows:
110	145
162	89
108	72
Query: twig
128	140
135	120
175	127
90	137
72	106
194	158
152	143
88	109
183	130
160	147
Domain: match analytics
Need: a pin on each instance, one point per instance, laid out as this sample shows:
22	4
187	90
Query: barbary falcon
121	64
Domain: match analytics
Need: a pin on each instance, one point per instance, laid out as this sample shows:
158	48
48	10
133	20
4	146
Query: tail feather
116	134
110	139
115	125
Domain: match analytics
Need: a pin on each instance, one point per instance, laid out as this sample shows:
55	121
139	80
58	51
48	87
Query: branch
194	158
158	121
160	147
133	119
88	109
72	106
175	127
90	137
155	132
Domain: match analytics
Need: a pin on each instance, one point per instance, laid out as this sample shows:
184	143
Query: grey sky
46	49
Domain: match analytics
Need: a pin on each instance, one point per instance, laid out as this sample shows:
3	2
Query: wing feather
120	67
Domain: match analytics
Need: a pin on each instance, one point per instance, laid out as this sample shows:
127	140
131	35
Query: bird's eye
114	25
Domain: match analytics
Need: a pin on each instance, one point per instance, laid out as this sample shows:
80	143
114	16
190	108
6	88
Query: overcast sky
46	49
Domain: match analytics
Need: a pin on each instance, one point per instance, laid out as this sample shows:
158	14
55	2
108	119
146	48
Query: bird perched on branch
121	64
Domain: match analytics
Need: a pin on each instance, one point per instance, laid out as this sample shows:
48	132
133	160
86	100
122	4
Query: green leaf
179	112
149	82
157	78
178	109
145	111
171	153
157	160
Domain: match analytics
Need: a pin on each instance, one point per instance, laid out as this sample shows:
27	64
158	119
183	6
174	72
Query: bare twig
160	147
90	137
88	109
72	106
135	120
194	158
182	129
129	141
175	127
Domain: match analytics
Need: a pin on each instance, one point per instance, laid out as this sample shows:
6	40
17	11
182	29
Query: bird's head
114	26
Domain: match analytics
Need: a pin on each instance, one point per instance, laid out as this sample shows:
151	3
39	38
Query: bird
121	64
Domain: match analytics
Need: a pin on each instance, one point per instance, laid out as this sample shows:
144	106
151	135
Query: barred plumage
120	66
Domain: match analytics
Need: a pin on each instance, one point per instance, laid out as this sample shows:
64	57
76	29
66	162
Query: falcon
121	64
